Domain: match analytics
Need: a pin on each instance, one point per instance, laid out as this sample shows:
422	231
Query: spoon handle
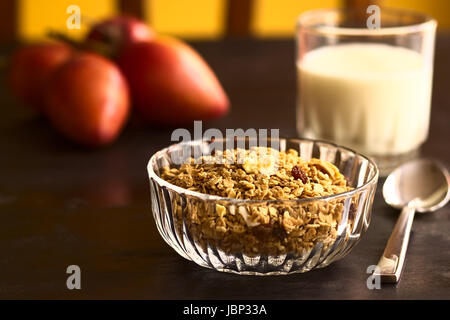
391	262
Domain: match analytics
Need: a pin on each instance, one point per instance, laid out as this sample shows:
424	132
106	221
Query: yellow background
194	18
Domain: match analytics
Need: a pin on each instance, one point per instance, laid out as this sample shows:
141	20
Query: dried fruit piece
325	167
297	173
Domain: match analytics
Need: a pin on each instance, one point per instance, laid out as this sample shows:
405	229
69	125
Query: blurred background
26	20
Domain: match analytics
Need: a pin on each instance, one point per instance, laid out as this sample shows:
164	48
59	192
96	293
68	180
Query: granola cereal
260	227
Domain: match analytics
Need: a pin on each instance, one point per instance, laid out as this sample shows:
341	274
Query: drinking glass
364	88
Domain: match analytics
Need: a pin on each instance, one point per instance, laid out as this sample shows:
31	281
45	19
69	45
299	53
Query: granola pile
263	227
264	174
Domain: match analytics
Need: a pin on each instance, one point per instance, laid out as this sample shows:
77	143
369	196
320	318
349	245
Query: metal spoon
420	185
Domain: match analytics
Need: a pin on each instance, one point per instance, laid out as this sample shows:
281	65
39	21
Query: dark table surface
62	205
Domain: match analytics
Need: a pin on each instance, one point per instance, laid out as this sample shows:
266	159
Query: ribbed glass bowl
188	221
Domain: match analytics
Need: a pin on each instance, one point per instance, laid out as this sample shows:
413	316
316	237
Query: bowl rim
208	197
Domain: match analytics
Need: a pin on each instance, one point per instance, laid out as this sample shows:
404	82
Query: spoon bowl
424	181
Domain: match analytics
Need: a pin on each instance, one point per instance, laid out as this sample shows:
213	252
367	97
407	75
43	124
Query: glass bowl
329	226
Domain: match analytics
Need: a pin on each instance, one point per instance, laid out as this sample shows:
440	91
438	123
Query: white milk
374	98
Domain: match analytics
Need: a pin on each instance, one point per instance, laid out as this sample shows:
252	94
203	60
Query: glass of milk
366	86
